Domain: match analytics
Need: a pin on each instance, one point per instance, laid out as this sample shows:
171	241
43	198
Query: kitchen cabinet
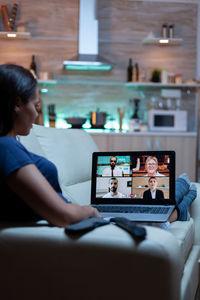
185	146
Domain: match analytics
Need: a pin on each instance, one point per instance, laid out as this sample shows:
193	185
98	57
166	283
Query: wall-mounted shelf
14	35
47	82
62	81
160	85
162	42
89	82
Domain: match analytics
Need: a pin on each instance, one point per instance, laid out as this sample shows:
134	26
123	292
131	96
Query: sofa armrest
106	263
195	214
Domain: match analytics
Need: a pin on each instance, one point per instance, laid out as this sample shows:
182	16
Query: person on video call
112	170
153	192
151	166
113	185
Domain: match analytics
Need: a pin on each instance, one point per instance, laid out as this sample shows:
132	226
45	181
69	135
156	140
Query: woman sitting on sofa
29	183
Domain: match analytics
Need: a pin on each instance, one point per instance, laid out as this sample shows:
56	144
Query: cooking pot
98	119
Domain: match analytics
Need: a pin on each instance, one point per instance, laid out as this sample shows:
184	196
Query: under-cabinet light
164	41
11	35
44	90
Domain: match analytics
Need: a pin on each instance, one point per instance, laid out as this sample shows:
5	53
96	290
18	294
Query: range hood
88	57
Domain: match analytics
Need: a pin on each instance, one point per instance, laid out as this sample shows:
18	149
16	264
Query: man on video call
113	185
112	170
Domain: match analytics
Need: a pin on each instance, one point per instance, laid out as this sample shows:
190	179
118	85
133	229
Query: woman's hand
93	211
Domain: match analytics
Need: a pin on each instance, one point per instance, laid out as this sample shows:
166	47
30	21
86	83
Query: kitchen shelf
47	82
89	82
108	132
160	85
166	41
120	83
14	35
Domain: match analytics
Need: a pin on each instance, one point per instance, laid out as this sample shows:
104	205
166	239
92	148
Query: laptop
138	185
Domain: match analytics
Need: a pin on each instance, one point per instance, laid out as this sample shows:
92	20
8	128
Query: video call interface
137	177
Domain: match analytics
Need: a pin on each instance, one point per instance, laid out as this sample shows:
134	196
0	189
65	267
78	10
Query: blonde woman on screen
151	166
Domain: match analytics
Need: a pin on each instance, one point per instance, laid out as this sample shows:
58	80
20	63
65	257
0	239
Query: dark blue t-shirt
13	155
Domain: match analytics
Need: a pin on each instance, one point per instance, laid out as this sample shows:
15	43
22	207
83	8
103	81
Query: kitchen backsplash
122	27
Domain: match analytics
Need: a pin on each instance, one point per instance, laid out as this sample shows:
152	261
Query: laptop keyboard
132	209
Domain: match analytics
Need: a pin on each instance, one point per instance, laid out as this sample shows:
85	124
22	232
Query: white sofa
39	261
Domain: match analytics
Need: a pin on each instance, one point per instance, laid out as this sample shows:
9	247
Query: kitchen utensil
98	119
13	16
121	112
52	115
5	16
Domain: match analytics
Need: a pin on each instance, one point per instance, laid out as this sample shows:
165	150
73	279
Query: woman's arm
174	216
32	187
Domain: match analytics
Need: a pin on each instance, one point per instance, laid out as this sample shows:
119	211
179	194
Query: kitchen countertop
140	133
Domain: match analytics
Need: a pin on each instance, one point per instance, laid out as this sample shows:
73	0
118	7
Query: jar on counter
21	26
164	76
178	78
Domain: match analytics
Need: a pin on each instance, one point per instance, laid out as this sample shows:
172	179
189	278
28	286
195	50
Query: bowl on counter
76	122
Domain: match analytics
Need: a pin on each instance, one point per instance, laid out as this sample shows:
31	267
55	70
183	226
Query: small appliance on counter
167	120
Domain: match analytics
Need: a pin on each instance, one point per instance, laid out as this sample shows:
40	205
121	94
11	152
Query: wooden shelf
14	35
162	42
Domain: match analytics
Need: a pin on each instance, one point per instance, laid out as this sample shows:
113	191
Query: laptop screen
145	177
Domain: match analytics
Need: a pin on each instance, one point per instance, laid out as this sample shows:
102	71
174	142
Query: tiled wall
122	27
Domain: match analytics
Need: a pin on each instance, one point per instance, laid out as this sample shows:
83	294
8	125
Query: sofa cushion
78	193
70	150
184	233
32	144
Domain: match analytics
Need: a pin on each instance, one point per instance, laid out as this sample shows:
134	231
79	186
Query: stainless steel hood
88	57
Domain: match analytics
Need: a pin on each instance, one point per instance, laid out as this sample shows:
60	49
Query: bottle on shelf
171	31
134	124
33	67
164	76
52	115
5	16
164	31
137	73
129	70
13	16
